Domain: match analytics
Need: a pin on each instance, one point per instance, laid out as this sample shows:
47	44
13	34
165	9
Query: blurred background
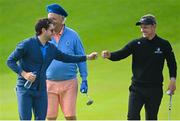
101	24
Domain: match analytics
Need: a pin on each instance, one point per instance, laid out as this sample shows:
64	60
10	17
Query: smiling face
49	32
148	30
58	21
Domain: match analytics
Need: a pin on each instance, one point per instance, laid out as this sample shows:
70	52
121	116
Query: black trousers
149	97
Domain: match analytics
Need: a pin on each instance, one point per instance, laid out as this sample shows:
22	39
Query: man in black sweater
148	55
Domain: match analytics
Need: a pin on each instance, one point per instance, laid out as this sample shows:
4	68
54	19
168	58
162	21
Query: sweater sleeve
122	53
15	56
171	61
79	50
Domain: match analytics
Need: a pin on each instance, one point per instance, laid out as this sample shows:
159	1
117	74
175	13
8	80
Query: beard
48	38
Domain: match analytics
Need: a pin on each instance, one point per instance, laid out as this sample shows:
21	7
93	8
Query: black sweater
148	58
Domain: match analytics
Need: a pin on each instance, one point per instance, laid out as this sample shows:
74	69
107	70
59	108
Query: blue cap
55	8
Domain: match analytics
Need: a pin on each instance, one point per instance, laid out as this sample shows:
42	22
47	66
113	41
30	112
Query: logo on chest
158	51
67	43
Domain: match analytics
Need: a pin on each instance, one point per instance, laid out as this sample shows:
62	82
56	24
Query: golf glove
84	87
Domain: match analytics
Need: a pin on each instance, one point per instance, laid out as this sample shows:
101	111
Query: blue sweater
69	43
30	58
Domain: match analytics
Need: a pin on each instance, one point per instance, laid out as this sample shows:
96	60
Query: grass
101	24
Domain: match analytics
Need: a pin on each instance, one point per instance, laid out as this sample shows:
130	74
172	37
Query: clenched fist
92	56
105	54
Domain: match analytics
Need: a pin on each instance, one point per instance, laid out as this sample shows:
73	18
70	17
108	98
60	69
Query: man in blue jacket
34	56
62	83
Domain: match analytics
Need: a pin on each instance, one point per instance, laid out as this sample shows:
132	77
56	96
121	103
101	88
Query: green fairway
101	24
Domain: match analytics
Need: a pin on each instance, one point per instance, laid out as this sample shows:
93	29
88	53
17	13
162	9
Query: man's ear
154	25
43	30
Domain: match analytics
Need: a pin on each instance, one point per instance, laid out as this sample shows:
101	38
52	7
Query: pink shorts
63	93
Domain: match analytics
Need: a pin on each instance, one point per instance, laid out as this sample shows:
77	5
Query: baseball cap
148	19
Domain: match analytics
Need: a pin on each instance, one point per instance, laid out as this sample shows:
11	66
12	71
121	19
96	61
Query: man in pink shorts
62	84
62	93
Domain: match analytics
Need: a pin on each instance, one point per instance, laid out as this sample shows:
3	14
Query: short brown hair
42	23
